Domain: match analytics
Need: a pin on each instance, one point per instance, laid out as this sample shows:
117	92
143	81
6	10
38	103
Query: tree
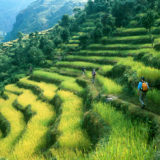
65	35
122	11
65	21
35	56
84	40
108	22
148	20
97	32
20	36
90	7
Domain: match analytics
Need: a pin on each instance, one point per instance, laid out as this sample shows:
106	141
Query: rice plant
49	77
34	137
151	74
92	59
118	46
71	86
17	125
108	85
47	88
141	39
72	136
127	140
78	65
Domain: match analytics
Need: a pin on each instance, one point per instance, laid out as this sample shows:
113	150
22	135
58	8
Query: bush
157	44
4	126
27	111
154	102
95	126
133	23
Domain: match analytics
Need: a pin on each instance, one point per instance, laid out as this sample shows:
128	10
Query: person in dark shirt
93	75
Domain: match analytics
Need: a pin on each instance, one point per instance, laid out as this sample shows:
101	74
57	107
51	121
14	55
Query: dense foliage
37	49
41	15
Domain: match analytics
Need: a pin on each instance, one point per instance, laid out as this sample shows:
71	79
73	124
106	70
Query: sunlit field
53	108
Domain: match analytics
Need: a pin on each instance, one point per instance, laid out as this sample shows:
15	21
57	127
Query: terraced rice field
57	100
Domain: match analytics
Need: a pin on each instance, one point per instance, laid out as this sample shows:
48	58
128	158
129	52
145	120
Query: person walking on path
30	70
93	76
83	71
142	91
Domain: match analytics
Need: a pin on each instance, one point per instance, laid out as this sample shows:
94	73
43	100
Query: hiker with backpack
142	91
93	75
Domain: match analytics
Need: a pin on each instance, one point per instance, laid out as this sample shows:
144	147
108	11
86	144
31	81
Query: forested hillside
50	105
8	12
42	15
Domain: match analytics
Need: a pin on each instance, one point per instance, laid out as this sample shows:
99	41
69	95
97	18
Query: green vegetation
53	110
124	135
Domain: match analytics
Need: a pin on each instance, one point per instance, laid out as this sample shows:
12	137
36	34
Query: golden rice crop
16	121
70	124
34	137
108	85
72	86
127	141
48	88
149	73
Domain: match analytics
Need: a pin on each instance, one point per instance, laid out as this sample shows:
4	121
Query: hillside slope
73	119
8	12
42	15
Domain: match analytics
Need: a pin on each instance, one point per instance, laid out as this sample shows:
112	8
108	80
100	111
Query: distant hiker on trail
30	69
83	71
142	91
93	76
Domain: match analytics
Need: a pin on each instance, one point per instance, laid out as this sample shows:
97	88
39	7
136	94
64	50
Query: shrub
95	126
154	102
4	126
157	44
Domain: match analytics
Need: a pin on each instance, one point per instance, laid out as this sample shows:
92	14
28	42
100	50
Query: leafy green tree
65	35
122	11
90	7
108	22
148	20
20	36
35	56
97	33
84	40
65	22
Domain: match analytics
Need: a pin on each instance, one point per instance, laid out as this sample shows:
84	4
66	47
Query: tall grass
71	86
72	136
153	100
17	125
66	71
14	89
107	53
127	39
49	77
78	65
34	137
118	46
92	59
127	140
151	74
47	88
108	85
104	69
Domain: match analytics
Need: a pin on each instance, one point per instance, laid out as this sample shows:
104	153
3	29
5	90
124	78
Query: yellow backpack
144	87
